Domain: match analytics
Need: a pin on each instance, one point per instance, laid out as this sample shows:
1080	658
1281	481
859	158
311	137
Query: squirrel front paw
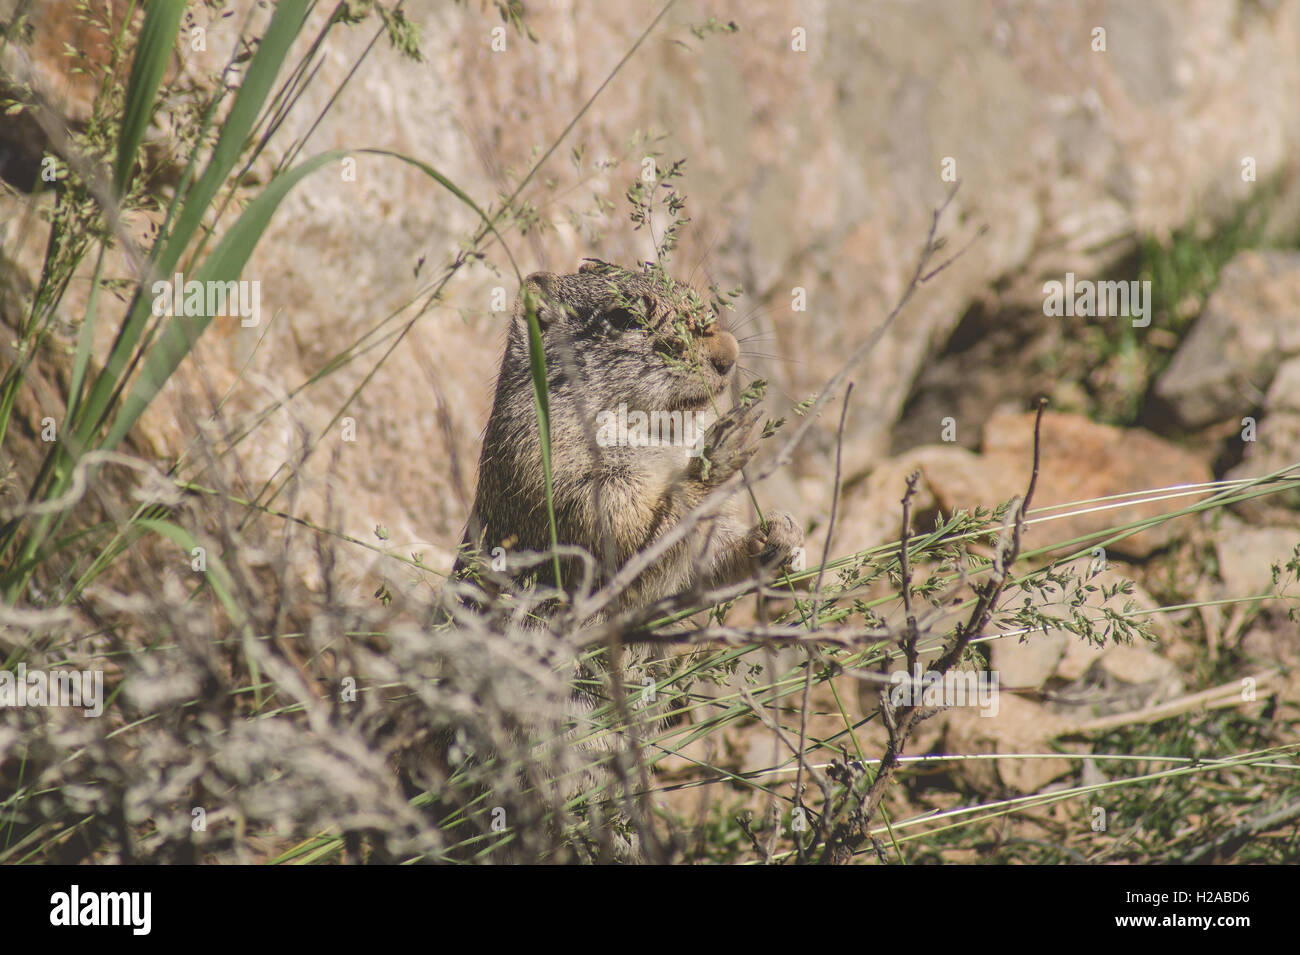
775	547
728	445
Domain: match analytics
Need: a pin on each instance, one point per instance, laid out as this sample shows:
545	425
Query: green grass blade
216	574
161	22
224	264
265	65
219	579
85	341
238	125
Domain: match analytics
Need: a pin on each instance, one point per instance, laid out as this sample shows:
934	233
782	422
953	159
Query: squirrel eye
623	318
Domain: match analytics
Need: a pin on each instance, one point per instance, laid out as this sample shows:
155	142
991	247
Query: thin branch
855	829
911	635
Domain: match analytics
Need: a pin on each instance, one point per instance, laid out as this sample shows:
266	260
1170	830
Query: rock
56	27
1028	664
1276	444
871	509
1284	394
1081	654
1080	460
1058	652
1020	726
1069	654
1123	678
1090	774
1249	326
1246	556
1268	643
1140	665
1079	657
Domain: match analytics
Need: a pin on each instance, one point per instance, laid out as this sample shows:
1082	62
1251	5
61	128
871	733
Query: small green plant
1122	361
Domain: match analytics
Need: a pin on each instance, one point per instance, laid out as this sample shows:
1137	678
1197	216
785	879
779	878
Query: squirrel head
619	335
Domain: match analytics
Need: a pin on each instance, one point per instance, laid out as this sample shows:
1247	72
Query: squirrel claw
776	546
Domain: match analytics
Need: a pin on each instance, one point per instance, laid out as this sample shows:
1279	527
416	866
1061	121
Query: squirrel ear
540	286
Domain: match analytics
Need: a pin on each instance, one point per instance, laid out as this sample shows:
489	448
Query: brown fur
613	336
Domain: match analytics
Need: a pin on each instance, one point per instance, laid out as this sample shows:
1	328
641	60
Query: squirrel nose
722	350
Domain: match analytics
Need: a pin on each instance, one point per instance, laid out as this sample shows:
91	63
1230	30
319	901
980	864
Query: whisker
708	251
734	327
785	395
752	316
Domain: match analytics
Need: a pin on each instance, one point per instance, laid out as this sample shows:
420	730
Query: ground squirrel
630	355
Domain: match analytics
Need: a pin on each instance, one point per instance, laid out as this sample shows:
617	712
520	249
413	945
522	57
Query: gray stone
1250	325
1246	556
